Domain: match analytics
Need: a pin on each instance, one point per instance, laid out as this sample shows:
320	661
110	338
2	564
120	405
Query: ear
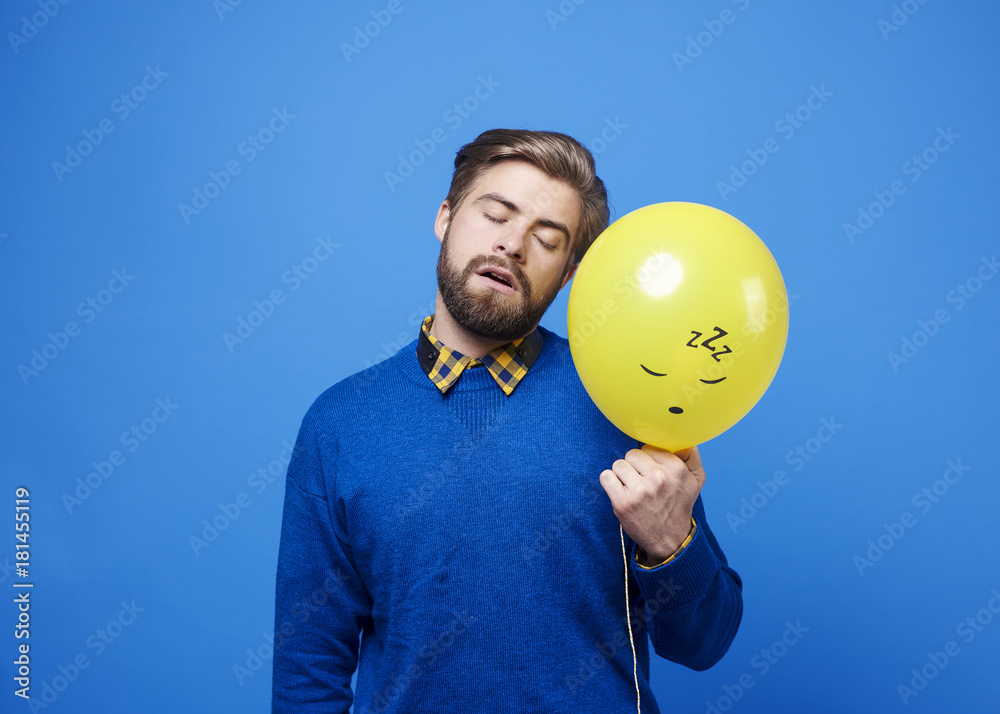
569	275
442	220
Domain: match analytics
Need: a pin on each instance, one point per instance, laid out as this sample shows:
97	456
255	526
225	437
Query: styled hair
560	156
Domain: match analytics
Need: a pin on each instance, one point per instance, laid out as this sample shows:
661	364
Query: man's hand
652	492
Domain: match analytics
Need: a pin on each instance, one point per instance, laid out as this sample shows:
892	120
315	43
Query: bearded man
451	517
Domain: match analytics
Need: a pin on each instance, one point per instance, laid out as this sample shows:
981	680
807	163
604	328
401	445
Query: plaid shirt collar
508	363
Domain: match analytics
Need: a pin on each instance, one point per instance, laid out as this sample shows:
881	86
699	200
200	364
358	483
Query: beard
485	312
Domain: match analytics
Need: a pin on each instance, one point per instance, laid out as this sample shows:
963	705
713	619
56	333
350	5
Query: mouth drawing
677	410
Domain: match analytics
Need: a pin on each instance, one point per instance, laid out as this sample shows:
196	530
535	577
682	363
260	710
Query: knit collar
508	363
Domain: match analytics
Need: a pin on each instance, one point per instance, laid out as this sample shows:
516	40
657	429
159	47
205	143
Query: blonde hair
558	155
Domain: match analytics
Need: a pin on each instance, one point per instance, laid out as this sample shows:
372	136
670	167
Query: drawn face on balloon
685	379
672	323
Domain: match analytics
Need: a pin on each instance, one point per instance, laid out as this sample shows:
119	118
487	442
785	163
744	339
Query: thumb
690	456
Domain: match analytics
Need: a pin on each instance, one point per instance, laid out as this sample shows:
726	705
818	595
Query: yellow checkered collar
508	363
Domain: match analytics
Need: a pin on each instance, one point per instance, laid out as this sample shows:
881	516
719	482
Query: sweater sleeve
321	603
694	603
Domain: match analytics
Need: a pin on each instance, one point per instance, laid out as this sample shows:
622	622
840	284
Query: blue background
678	118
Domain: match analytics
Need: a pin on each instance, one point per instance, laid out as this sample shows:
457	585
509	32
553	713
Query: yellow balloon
677	322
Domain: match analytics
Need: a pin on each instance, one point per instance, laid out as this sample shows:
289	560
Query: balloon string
628	620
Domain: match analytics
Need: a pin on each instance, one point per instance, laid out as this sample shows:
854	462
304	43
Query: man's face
505	253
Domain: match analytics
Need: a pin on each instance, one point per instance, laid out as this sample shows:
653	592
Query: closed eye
664	374
494	219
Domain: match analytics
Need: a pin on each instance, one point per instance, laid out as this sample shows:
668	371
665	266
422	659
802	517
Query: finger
690	456
662	456
692	459
683	462
686	453
612	486
666	462
626	473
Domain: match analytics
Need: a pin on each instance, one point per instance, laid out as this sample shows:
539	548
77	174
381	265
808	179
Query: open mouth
498	281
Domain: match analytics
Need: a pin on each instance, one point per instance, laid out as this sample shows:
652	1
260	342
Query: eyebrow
510	205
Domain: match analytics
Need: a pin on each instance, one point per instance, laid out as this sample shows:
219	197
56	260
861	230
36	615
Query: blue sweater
467	539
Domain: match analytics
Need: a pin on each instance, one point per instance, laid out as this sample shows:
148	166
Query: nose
511	244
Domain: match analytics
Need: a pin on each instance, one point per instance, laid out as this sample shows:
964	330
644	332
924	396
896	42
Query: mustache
497	262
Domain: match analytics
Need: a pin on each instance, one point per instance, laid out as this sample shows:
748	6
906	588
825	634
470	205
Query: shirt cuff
641	558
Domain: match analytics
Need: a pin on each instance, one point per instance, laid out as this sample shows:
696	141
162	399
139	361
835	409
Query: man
458	505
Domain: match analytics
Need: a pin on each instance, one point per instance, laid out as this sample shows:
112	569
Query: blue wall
169	174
